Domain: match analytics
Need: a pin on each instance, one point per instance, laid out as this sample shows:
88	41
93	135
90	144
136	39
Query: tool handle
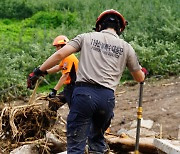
139	117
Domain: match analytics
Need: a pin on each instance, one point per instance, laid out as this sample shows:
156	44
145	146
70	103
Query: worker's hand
33	77
144	70
53	93
31	80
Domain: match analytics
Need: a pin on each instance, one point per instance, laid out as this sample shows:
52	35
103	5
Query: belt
85	84
70	84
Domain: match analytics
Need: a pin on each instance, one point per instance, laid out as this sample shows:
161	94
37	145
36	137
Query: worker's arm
134	67
61	81
57	56
49	63
139	75
54	69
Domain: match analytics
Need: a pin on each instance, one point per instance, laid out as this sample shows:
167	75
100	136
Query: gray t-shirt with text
103	58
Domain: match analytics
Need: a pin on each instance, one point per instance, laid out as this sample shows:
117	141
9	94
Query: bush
14	9
50	19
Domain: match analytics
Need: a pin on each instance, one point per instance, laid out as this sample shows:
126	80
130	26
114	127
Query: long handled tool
139	117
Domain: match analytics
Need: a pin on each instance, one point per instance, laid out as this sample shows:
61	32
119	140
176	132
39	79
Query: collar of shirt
110	32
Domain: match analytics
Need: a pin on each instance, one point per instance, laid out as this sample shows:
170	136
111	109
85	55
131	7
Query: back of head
60	40
111	19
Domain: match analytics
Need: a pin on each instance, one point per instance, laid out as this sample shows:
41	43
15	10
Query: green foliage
44	19
14	9
29	27
161	59
47	87
50	19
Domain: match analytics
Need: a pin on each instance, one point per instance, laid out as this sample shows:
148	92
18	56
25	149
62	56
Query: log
126	144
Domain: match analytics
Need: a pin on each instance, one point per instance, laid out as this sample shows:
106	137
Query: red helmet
60	40
113	12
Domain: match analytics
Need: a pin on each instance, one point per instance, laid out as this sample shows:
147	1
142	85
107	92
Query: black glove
33	77
53	93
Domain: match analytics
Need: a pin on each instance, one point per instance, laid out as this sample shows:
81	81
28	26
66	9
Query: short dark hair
111	21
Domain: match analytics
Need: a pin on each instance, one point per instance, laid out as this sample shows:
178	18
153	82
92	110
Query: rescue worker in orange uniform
68	67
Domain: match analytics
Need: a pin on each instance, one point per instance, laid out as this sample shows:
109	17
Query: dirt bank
161	103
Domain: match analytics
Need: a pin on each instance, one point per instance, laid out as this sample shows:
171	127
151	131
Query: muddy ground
161	103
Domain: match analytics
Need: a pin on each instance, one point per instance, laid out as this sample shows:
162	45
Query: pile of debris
29	124
21	123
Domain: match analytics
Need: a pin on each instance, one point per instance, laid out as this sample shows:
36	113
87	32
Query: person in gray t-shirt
103	58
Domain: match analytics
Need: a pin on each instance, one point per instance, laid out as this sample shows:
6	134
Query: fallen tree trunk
126	144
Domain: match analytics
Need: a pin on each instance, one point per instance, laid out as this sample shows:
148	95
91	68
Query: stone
167	146
143	133
25	149
144	123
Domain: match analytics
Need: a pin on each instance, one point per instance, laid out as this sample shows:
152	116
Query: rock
167	146
25	149
143	133
121	131
144	123
57	145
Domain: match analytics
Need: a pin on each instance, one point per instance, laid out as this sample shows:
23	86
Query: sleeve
132	60
77	42
66	65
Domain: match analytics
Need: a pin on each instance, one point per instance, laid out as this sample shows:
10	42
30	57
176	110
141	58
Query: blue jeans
90	115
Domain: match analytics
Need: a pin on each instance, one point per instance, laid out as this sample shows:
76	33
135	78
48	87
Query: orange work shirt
69	65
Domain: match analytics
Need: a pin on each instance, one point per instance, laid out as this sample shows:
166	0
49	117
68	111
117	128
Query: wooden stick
179	133
32	98
160	134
